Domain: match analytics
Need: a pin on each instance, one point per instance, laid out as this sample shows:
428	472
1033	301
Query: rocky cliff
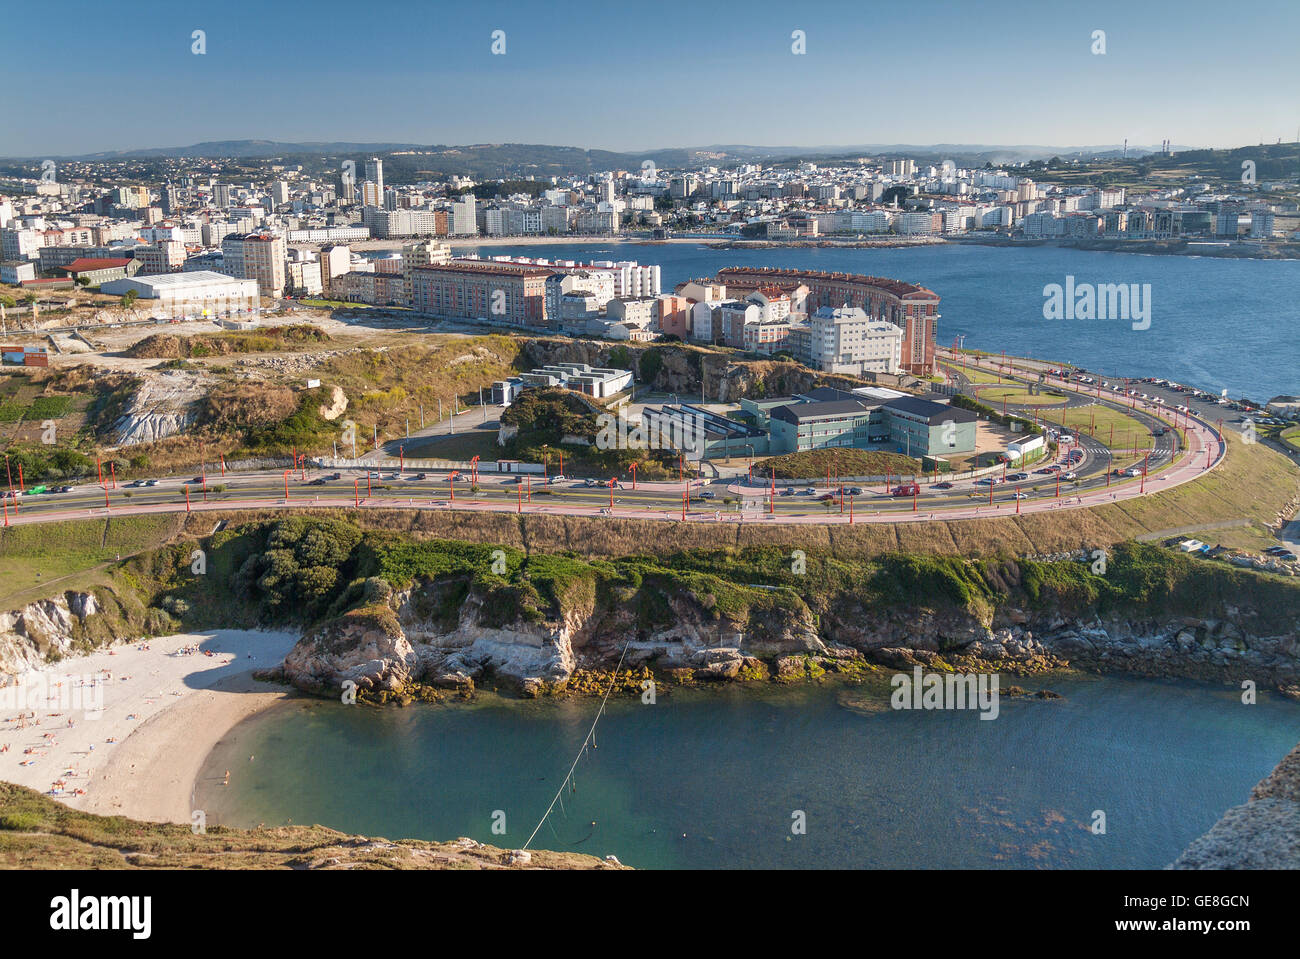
1262	833
401	644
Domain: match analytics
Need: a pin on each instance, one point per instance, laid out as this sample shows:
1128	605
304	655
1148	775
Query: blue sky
91	76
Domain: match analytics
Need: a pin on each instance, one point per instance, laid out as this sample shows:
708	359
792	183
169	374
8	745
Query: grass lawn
1291	437
1015	396
974	375
33	559
1098	421
811	464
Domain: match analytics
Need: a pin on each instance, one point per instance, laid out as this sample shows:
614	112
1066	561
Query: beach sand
138	739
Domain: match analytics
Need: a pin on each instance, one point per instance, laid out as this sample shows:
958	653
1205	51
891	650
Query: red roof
85	264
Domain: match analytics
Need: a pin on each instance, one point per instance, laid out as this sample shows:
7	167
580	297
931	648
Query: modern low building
921	427
201	292
595	381
826	418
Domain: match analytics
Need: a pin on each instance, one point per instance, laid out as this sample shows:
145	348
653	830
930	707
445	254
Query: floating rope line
568	776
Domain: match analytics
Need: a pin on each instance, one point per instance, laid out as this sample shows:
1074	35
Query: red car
906	489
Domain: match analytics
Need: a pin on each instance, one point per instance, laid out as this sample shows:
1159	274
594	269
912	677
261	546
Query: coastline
162	712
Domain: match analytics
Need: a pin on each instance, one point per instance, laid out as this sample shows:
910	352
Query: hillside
38	833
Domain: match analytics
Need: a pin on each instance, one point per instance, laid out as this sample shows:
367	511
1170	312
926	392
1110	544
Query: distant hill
405	162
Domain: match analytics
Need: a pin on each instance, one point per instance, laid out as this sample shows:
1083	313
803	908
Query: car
420	476
590	482
1287	557
787	491
827	497
1045	470
854	490
905	489
1020	495
319	481
1016	477
373	475
1159	431
558	478
135	483
1133	471
152	482
61	489
1274	550
198	479
706	494
807	491
1069	476
943	485
339	476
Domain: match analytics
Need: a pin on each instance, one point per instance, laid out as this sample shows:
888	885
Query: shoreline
137	740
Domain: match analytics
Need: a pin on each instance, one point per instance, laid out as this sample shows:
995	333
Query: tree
128	298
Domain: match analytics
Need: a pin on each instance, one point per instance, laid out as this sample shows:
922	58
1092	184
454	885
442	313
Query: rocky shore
1262	833
396	652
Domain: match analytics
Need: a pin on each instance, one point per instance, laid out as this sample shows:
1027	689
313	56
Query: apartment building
467	289
847	340
256	256
912	308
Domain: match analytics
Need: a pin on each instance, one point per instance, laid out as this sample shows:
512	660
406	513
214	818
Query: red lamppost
356	492
634	476
401	457
451	484
611	492
286	485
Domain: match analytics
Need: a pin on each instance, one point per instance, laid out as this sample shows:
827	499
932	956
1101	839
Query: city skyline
628	81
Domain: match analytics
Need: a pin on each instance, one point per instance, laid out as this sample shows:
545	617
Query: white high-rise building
847	340
464	220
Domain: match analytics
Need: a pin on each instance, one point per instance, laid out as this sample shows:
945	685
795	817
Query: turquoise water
711	779
1216	323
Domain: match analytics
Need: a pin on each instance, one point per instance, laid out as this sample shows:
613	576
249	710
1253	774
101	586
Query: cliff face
403	643
31	635
1263	833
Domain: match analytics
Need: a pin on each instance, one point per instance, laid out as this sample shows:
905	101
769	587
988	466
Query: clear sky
81	76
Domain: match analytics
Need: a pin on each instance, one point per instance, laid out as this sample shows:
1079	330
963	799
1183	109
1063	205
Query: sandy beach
125	731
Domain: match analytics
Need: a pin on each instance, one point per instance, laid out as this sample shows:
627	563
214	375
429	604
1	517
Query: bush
21	821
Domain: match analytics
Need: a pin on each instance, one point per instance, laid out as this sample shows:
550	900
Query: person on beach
227	779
